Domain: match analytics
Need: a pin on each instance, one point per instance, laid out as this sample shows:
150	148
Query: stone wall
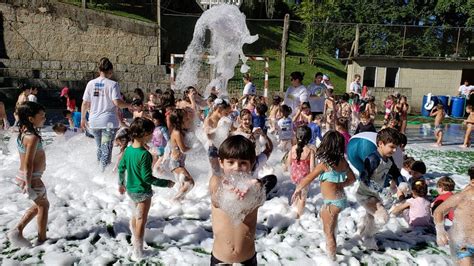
52	44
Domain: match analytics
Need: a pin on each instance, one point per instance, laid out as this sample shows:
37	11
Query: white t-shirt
32	98
294	97
101	92
285	129
249	89
465	90
316	96
355	87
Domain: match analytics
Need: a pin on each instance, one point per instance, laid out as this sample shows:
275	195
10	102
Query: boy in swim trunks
438	113
469	122
235	243
461	234
379	173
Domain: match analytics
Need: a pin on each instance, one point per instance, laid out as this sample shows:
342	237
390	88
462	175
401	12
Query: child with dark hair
303	115
137	162
334	174
31	117
417	169
419	214
405	171
301	162
366	124
180	122
315	126
438	113
342	126
330	110
221	109
469	122
379	173
160	138
285	128
260	118
235	243
275	113
344	108
372	108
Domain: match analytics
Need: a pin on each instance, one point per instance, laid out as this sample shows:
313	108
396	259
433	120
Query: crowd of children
239	141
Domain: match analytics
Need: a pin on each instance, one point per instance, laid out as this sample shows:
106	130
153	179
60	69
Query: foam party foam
229	201
228	34
222	130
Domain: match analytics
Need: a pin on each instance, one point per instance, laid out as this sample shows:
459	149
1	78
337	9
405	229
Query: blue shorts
464	251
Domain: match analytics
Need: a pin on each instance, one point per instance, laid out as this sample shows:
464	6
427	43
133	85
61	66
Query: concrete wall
422	76
53	44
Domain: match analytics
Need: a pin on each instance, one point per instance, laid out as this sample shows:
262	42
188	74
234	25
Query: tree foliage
429	30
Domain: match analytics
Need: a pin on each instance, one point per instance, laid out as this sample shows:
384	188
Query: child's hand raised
122	190
296	196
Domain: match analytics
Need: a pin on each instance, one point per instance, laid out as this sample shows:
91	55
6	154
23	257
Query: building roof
464	60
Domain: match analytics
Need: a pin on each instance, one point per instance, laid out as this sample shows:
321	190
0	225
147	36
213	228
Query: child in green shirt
138	163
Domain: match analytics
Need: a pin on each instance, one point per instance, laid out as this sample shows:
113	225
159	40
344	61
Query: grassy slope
177	33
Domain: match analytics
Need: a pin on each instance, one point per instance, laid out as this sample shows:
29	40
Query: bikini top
333	176
21	147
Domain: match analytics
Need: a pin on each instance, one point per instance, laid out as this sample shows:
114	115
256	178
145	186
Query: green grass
177	33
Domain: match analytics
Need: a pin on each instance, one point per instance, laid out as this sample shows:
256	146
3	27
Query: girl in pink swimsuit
301	161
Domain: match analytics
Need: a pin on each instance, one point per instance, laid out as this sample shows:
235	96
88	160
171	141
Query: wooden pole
403	41
284	40
457	42
84	3
158	30
356	46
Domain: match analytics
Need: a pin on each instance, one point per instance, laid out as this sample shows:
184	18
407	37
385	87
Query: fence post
284	40
457	42
158	31
403	41
356	42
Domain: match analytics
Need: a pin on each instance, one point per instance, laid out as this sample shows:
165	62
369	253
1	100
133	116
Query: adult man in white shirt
465	89
317	91
356	87
296	94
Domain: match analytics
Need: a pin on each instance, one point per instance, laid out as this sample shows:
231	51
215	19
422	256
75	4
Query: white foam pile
235	205
88	218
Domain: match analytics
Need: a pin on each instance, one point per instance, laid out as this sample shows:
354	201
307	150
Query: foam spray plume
228	35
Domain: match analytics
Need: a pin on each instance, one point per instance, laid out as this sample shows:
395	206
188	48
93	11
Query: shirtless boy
438	113
235	243
461	234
